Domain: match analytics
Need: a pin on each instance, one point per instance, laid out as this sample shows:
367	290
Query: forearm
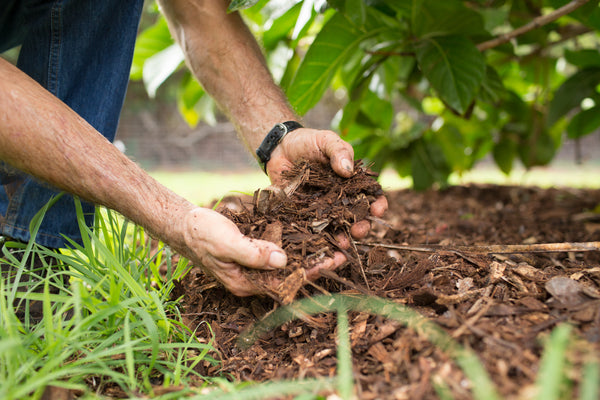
42	136
225	58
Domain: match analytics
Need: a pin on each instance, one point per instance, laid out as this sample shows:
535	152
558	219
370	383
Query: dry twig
497	248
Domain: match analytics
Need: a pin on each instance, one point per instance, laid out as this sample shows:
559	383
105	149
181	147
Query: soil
421	254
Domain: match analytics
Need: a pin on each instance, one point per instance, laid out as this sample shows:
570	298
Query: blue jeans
80	51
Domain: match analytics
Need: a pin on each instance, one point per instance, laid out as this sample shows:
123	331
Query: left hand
326	147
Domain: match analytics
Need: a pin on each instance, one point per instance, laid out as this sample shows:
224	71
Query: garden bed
502	306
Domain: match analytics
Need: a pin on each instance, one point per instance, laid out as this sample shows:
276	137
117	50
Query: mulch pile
501	306
304	218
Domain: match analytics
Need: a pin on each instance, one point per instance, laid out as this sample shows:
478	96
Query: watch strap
273	138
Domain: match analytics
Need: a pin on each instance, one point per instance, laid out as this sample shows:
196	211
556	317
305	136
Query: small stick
360	264
332	275
497	248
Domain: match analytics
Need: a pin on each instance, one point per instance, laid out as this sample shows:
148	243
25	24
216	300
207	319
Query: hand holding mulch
310	217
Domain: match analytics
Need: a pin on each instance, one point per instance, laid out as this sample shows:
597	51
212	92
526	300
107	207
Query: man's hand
214	243
214	42
217	245
311	144
325	147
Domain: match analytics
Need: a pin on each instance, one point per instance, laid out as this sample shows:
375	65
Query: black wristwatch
272	139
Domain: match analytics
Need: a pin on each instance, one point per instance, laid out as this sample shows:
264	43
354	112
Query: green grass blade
551	374
271	390
344	356
590	383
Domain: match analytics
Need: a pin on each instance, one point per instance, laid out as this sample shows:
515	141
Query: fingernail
277	259
347	165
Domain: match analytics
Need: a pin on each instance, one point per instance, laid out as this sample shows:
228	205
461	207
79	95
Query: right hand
217	245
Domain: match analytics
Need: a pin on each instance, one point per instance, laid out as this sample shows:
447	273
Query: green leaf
188	95
281	27
587	14
336	41
584	123
448	17
403	7
569	95
379	112
428	165
583	58
453	145
504	154
454	68
492	88
236	5
356	11
151	41
160	66
538	150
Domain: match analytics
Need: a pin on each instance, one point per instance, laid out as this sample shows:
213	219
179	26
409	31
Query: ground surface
501	306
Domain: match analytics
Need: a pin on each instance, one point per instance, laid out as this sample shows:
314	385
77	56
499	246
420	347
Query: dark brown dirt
501	306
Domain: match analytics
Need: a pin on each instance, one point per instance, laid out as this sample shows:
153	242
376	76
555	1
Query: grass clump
107	317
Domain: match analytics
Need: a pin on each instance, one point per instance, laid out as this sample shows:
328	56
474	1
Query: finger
360	229
339	152
342	241
329	264
379	207
231	275
257	254
217	238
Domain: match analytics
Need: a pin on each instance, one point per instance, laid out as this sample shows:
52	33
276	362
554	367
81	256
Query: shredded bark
502	306
304	218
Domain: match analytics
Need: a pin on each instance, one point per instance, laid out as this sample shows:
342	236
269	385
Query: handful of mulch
303	218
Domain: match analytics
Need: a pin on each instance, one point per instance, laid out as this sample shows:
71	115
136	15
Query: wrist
272	140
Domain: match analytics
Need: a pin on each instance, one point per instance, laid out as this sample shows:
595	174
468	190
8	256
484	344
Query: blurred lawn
203	187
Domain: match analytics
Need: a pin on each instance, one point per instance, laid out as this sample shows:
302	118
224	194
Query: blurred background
401	121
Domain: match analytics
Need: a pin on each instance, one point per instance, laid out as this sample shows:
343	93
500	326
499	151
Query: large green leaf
504	153
583	58
160	66
454	67
428	165
539	150
569	95
584	123
448	17
281	27
355	10
151	41
336	41
588	13
492	87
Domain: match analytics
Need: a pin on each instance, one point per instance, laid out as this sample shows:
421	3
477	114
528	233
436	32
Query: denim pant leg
80	51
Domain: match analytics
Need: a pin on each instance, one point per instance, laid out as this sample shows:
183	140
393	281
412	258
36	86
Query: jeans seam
55	44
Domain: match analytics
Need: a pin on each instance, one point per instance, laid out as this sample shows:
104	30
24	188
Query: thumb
257	254
340	154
